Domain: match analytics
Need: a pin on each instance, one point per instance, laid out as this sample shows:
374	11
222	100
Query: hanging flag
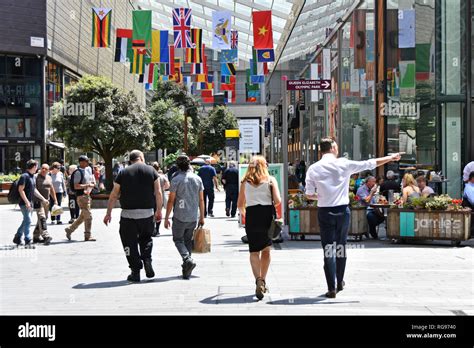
221	23
101	26
194	55
262	29
171	58
266	55
182	27
228	79
210	78
234	39
229	56
200	78
149	72
187	81
227	69
163	69
229	97
137	65
227	87
142	29
160	46
197	69
123	37
257	79
208	93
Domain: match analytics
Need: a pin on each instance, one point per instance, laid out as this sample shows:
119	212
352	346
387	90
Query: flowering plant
455	204
299	200
354	200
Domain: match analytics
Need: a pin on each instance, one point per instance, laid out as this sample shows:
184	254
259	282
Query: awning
55	144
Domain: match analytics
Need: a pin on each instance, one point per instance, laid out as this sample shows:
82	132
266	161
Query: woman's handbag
275	227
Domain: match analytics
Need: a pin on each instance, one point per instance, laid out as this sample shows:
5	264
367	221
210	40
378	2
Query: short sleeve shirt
187	187
207	174
28	181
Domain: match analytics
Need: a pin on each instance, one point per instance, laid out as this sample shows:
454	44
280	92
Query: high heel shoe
260	289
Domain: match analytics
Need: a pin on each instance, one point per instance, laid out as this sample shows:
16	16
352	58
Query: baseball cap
83	158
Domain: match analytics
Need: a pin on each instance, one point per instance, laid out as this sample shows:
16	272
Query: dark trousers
136	233
208	194
231	196
73	207
374	220
334	225
59	197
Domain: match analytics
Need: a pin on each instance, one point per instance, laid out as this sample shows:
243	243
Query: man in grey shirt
186	196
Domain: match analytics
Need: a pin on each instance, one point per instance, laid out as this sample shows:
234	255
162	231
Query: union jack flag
234	39
182	27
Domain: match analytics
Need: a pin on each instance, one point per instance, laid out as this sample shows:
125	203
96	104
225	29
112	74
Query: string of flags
153	57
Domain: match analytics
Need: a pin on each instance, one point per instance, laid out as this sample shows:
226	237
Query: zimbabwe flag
101	27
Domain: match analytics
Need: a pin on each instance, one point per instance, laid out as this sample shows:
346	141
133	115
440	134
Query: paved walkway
74	277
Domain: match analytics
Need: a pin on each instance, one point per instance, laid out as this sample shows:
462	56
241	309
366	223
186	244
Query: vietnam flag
262	29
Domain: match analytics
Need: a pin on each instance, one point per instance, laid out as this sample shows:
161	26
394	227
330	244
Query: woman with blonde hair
258	197
410	188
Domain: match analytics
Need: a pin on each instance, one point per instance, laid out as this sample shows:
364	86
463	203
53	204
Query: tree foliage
118	124
213	128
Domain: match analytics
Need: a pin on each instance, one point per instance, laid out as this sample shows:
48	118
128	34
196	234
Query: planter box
6	186
428	225
100	201
305	221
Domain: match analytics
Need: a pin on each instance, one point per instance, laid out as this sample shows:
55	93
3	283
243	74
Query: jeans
208	193
183	237
24	228
334	225
136	233
231	196
59	196
374	220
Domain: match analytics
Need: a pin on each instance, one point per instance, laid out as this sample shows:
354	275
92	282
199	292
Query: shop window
15	66
15	128
32	66
54	85
2	66
3	127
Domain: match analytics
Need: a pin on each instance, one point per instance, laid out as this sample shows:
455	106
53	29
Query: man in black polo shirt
230	178
138	187
27	189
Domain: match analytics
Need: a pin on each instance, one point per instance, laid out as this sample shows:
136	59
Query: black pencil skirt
258	219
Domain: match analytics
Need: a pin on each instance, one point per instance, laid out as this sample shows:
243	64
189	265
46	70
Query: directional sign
308	85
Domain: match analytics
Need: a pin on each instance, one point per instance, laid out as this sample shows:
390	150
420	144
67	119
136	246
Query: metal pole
185	132
284	146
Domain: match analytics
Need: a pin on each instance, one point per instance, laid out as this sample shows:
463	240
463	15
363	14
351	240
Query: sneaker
331	294
59	222
148	269
227	212
211	215
38	240
17	240
188	267
47	240
68	233
29	244
134	277
340	286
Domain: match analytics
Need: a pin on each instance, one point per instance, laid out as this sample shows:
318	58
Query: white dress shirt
467	170
330	177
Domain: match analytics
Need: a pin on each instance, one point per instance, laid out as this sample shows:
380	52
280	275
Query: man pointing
330	177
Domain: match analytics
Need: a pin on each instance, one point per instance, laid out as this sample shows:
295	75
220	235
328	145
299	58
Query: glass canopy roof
284	14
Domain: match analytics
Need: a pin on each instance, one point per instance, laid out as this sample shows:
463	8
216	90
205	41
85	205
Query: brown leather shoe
68	233
331	294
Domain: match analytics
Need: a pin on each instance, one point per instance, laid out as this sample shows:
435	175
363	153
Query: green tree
184	102
168	125
213	128
117	124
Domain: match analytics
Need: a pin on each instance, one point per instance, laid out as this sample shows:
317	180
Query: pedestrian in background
73	206
59	185
139	191
27	190
164	184
208	175
83	182
186	200
44	185
258	197
230	179
330	177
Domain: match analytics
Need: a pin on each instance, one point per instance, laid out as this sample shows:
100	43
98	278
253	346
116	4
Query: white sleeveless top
259	195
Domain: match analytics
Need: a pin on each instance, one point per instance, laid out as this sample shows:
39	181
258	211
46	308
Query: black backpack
14	194
71	181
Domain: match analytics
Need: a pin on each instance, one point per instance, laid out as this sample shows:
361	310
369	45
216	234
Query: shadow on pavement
308	300
231	300
117	283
